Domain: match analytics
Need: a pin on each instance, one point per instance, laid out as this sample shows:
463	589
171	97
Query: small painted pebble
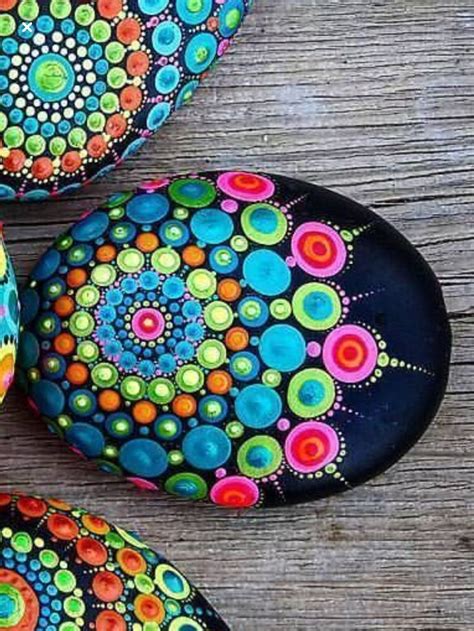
9	320
235	336
84	84
64	569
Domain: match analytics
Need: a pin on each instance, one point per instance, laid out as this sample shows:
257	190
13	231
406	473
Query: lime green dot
235	429
117	78
28	10
82	323
84	15
57	146
104	375
96	122
77	138
3	121
190	378
49	559
161	391
7	25
60	9
14	137
65	581
114	52
109	102
21	542
74	607
218	316
88	351
201	283
144	584
101	31
211	354
35	145
87	296
103	275
133	388
166	260
130	260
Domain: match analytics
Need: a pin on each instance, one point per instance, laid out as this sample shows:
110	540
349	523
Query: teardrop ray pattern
83	85
64	569
235	336
9	319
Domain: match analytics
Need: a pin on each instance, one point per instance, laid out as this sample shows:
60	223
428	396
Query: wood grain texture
373	98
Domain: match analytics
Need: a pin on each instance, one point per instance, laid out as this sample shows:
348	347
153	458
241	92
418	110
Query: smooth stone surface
246	338
83	85
9	319
63	568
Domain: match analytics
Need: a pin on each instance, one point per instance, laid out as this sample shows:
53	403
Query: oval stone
63	568
9	319
248	338
84	84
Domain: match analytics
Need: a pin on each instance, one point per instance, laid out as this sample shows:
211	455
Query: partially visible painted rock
9	319
241	337
62	568
84	84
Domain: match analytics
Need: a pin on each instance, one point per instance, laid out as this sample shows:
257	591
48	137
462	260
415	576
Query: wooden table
375	99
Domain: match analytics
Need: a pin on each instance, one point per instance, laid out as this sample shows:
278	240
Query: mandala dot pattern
84	84
9	320
235	336
62	568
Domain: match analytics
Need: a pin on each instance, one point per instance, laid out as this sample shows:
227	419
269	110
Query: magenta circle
311	430
148	324
246	492
232	183
319	228
360	336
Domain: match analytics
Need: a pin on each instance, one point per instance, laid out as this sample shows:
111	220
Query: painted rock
243	337
9	320
84	84
64	569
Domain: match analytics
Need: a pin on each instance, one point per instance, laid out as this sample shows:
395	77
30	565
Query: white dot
24	49
57	37
56	117
42	117
39	39
14	88
90	78
87	65
21	102
68	112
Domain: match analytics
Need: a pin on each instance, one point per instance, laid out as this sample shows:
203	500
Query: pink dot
314	349
221	473
283	424
230	205
148	324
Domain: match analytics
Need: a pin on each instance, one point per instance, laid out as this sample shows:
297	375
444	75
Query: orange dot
229	289
109	9
71	161
109	400
149	608
62	527
144	412
31	507
76	278
64	306
77	374
106	253
212	24
91	551
184	405
116	126
96	147
5	5
131	561
64	344
193	256
110	621
131	98
5	499
237	339
15	161
59	504
97	525
138	64
42	168
107	587
219	382
147	242
128	31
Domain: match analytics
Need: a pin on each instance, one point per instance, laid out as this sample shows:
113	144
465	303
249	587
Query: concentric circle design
62	568
83	85
9	320
211	334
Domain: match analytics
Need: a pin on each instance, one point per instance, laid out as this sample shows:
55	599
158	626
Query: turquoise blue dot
148	208
192	16
211	225
158	115
91	227
87	439
144	458
283	348
206	447
258	406
167	38
167	79
266	272
152	7
200	52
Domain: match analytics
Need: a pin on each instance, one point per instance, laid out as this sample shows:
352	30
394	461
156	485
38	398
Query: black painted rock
64	569
9	319
84	84
243	337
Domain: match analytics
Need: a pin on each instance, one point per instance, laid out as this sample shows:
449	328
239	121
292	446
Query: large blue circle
191	15
57	68
167	38
206	447
282	347
211	225
148	208
200	52
258	406
266	272
144	458
87	438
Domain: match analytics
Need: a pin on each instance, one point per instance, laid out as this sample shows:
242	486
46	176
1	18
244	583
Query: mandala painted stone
9	320
84	84
63	569
234	336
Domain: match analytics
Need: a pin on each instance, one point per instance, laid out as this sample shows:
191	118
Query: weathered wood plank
372	98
